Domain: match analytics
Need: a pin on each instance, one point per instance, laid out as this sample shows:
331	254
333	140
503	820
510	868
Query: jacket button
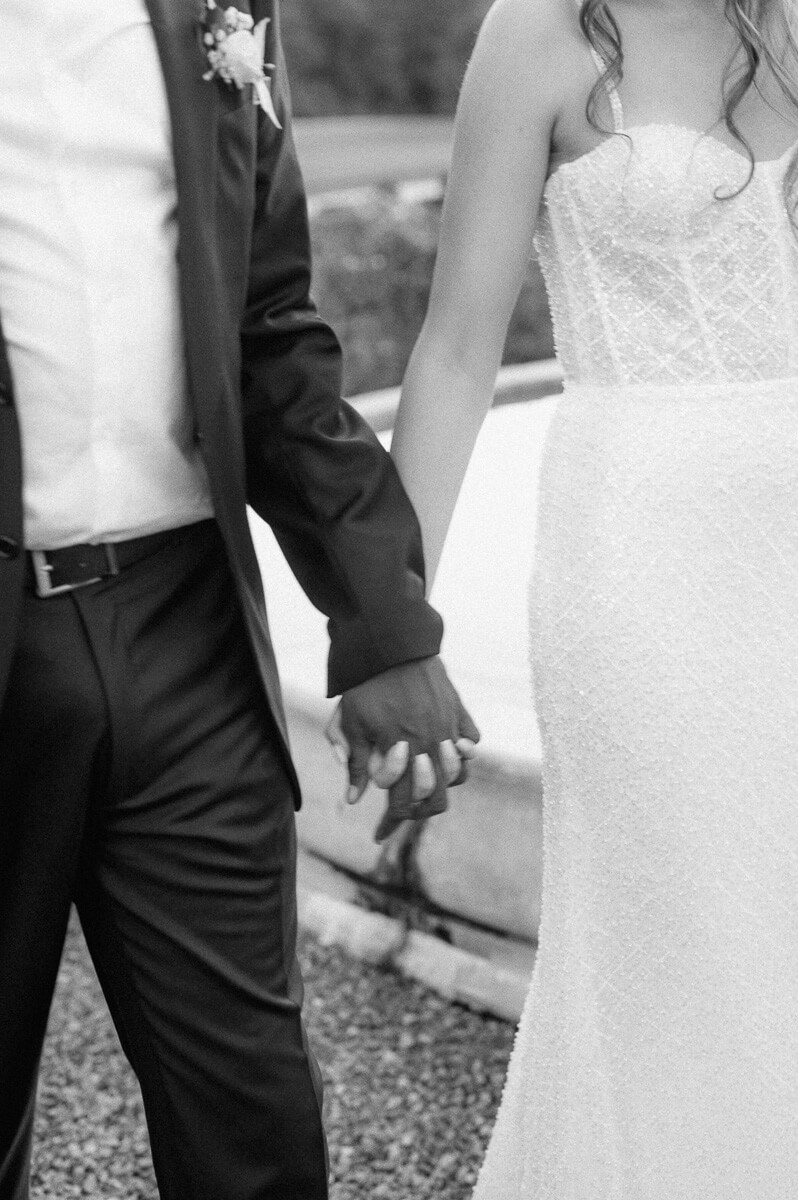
5	392
8	547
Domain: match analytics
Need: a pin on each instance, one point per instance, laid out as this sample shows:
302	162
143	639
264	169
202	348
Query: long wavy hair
766	36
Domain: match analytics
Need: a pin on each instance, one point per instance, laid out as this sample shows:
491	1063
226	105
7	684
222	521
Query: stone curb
453	973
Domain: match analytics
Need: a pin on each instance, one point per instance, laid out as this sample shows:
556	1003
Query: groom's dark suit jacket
264	374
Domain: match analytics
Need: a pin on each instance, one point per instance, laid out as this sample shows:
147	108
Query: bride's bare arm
507	111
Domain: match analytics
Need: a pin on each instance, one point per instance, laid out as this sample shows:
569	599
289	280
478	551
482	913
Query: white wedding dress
657	1056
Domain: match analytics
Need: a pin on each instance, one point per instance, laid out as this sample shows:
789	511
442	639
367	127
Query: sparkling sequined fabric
657	1057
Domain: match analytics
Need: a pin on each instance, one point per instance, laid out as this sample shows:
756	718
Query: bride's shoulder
542	24
540	39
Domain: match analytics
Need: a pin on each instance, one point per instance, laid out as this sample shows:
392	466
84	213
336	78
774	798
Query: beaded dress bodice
652	279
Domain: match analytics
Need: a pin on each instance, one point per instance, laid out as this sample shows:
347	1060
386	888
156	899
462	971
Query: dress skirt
657	1055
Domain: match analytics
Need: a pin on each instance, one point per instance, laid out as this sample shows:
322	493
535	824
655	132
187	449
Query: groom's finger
400	807
389	823
467	729
410	798
429	785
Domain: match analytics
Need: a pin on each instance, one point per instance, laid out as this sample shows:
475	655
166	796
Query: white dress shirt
88	275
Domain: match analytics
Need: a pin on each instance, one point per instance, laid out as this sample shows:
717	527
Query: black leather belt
53	572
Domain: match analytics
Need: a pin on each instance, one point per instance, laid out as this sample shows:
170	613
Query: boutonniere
236	47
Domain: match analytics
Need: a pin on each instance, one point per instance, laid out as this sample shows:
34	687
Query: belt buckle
42	569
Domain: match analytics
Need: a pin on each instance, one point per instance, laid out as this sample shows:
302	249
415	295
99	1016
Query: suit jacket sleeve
315	470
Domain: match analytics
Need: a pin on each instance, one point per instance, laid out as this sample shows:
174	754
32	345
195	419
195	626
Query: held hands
406	730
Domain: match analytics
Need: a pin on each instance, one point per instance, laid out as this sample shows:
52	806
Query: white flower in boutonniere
236	48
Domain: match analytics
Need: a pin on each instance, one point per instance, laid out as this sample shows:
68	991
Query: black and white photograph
399	600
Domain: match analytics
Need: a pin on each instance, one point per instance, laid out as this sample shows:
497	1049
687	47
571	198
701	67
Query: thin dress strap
611	89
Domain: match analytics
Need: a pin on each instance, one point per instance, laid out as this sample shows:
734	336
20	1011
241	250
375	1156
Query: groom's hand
407	730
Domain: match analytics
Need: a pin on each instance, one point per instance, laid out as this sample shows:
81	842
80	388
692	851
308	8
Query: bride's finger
337	738
423	777
387	769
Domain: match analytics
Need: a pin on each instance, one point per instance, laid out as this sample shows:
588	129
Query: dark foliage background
374	256
373	262
397	57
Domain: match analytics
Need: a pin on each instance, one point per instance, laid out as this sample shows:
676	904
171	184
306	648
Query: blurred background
374	251
353	57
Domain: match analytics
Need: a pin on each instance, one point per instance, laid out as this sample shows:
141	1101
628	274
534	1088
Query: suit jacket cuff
358	653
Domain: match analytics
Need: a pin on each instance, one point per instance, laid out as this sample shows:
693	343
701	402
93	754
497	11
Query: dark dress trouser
139	778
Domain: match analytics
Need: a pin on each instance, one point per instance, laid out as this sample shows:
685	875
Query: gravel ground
412	1083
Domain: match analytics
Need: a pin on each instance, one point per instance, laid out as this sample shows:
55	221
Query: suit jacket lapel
194	111
193	102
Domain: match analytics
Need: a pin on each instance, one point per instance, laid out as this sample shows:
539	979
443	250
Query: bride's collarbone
767	126
675	68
